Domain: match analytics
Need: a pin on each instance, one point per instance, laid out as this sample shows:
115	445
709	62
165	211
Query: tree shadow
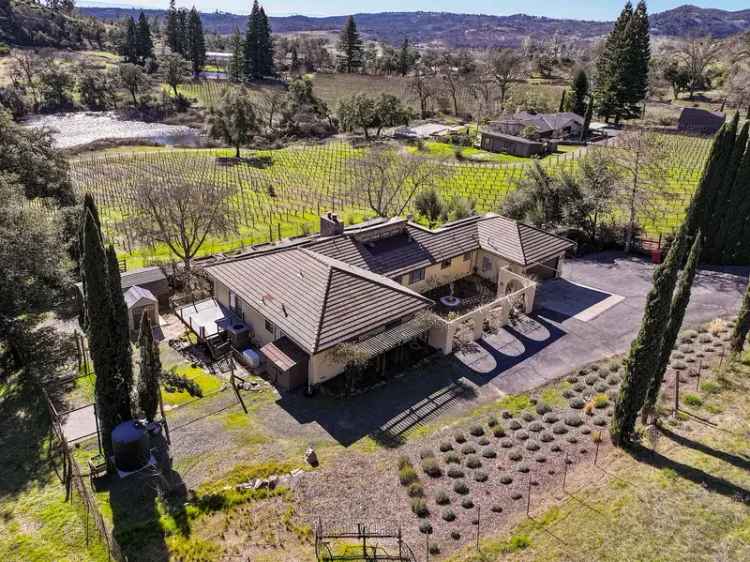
696	475
143	504
25	428
742	462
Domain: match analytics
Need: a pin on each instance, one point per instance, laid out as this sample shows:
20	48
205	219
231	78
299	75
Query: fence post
598	442
528	496
479	521
565	470
676	394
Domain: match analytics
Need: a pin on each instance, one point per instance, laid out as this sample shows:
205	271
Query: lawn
208	383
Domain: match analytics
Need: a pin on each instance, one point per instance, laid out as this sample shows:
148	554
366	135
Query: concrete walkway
594	311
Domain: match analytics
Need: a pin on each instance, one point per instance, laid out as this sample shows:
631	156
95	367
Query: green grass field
303	180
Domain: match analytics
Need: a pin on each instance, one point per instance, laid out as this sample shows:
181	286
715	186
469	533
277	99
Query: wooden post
164	417
598	442
528	497
479	521
676	394
98	433
565	471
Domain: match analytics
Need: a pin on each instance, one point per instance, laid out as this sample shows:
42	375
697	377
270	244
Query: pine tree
252	55
182	32
638	56
98	302
265	45
196	42
726	204
562	101
130	49
350	47
235	66
144	44
172	30
149	371
640	364
679	305
404	58
609	79
587	119
742	328
120	334
580	92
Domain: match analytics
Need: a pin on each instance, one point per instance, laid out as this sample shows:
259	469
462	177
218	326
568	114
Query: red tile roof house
365	286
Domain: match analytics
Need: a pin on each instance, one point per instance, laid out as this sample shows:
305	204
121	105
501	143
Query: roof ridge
324	304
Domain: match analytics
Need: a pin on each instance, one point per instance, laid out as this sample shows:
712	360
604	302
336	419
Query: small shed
286	363
700	121
141	301
493	141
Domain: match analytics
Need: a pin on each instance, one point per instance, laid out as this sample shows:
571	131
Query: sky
572	9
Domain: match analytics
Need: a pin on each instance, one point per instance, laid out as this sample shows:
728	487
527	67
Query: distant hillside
29	23
466	30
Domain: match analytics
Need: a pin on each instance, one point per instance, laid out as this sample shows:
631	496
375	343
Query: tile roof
317	301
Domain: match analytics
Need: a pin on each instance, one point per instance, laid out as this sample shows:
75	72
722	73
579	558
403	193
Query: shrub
601	421
473	462
577	403
573	420
613	380
546	437
536	427
591	379
506	415
432	468
448	515
426	454
579	387
489	454
614	367
452	458
677	355
540	458
516	496
415	490
515	456
506	443
476	430
572	379
445	447
568	393
679	365
455	535
542	408
522	467
484	442
551	418
442	498
481	476
460	437
506	479
559	429
594	368
585	429
572	439
588	409
601	387
403	461
455	472
601	401
528	416
466	503
692	400
496	508
522	435
555	448
532	445
492	421
419	507
515	424
710	388
468	450
407	475
499	432
434	548
425	528
688	335
460	487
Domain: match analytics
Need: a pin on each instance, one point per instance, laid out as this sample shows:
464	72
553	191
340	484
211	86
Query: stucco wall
257	322
436	276
321	368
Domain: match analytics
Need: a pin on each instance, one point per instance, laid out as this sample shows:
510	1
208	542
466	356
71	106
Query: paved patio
594	311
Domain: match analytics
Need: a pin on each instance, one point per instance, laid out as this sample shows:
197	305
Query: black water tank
130	444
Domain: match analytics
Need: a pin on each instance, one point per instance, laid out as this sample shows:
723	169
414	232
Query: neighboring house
426	130
546	125
493	141
152	279
700	121
364	285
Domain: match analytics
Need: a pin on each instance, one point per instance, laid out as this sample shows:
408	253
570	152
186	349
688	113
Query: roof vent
283	308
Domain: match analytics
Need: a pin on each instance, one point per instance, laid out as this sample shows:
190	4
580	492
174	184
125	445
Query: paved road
593	312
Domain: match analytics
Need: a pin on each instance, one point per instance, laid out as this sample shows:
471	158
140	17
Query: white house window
446	264
416	276
486	264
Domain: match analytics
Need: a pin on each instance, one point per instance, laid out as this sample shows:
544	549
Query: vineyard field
280	193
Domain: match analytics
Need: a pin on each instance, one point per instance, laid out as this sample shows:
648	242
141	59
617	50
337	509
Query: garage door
544	270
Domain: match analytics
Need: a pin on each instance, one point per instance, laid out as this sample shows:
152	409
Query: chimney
330	225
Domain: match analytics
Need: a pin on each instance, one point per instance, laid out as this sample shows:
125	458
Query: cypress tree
99	311
89	208
735	246
718	242
251	55
350	47
149	371
587	119
265	45
130	50
120	337
679	305
182	32
640	364
196	42
144	43
172	29
562	101
235	66
403	57
580	92
741	329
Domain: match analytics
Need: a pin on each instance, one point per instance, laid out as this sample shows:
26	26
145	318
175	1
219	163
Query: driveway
594	311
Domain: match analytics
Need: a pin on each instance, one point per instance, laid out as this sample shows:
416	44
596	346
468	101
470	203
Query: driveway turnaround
594	311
